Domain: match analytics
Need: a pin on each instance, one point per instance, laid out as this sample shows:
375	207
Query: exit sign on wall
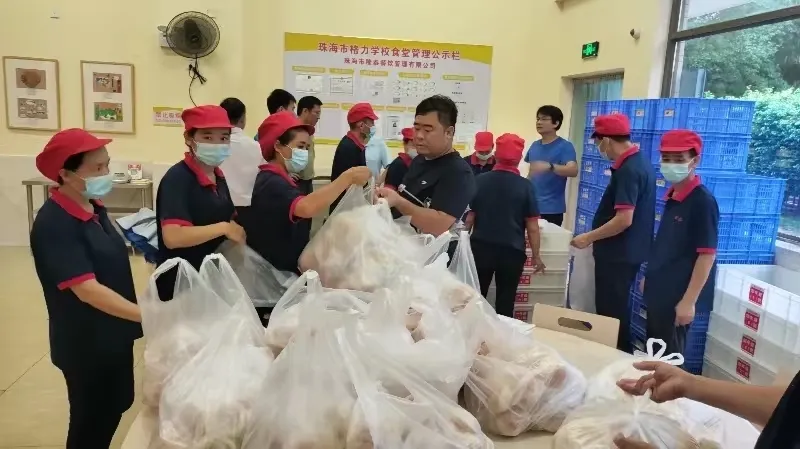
590	50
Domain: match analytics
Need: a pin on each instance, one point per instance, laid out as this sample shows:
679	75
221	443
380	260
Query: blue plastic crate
662	186
743	193
583	221
614	107
746	258
660	205
724	152
705	115
593	109
589	147
595	171
589	196
745	233
648	143
641	113
696	343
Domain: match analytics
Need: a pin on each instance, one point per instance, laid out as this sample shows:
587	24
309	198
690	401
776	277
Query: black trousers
99	392
661	325
503	263
306	186
556	219
612	285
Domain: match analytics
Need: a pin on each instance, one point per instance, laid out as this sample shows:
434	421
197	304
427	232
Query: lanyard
402	189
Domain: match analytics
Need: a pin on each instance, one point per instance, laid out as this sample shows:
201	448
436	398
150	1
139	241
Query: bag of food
517	384
360	247
396	408
596	424
264	283
176	330
208	403
581	281
307	397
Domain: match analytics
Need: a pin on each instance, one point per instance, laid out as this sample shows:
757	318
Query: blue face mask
298	162
212	154
675	172
372	131
98	186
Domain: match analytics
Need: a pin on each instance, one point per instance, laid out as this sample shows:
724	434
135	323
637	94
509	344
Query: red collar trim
630	152
202	177
473	159
71	207
356	139
680	194
508	168
405	158
272	168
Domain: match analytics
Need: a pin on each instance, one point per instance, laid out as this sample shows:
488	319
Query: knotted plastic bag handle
675	358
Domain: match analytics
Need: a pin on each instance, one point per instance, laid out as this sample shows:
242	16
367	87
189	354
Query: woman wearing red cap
280	220
396	171
83	266
194	209
351	150
503	209
482	161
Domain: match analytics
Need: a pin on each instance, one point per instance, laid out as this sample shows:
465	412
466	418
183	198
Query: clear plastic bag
410	414
264	283
596	424
581	281
176	330
208	403
361	248
517	384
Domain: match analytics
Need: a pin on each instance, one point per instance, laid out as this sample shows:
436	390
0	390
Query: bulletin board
392	75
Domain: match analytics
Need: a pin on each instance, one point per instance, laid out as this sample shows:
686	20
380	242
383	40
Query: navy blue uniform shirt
351	152
397	170
688	228
632	186
188	197
503	204
475	164
70	246
272	228
445	184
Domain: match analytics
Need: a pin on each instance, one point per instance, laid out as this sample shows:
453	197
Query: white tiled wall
13	210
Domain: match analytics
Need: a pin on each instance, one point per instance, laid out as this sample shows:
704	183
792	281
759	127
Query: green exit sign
590	50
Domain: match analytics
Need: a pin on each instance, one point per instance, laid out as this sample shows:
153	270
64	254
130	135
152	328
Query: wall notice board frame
32	93
392	75
108	94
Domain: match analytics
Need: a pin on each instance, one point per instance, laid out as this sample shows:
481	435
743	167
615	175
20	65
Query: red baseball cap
612	125
484	141
207	116
408	133
61	146
359	112
274	126
509	149
679	140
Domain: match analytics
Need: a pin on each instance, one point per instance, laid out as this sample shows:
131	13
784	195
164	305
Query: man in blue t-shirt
552	160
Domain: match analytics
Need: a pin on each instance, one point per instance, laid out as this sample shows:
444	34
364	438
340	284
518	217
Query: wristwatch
552	167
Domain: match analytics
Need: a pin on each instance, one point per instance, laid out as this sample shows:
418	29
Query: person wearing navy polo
396	171
439	184
83	266
482	161
552	160
194	210
504	208
681	270
351	150
622	229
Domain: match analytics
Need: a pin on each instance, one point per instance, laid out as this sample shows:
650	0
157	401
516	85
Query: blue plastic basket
660	205
696	343
614	107
589	147
648	143
743	193
724	152
589	196
705	115
583	221
662	186
595	171
746	258
745	233
593	109
640	112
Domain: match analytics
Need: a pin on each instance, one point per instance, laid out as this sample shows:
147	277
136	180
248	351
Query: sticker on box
522	297
748	345
756	295
743	368
752	320
525	279
522	315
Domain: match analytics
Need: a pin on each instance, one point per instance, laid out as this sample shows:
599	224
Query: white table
587	356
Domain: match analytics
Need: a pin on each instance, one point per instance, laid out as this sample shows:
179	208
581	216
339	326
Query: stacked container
548	287
749	205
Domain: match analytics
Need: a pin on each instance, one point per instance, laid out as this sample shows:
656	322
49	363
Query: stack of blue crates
749	205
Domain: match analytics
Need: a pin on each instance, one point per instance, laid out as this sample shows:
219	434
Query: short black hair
73	163
279	98
554	112
308	102
235	109
443	106
692	152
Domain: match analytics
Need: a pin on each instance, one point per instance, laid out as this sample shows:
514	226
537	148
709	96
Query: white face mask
484	156
412	152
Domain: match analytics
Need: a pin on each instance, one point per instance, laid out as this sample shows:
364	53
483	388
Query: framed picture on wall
32	94
108	97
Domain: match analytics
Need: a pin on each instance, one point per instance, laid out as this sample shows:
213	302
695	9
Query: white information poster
392	75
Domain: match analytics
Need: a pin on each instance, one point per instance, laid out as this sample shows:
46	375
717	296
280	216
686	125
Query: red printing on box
521	297
752	320
756	295
525	279
748	345
743	368
521	315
